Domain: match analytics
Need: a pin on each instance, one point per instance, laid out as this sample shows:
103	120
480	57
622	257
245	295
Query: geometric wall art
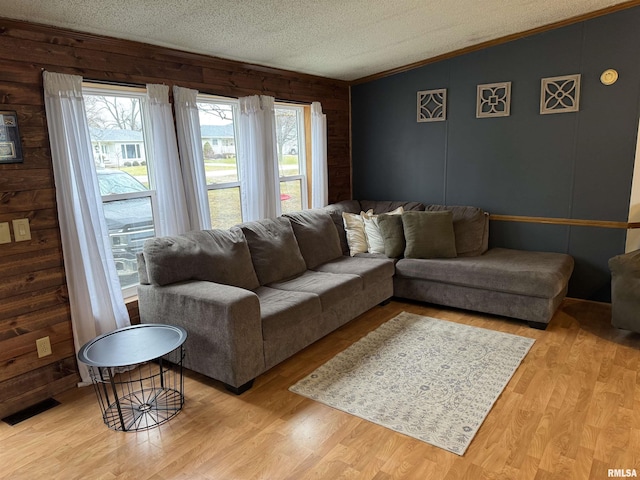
432	105
493	100
560	94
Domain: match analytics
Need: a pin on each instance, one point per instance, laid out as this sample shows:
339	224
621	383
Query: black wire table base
142	409
143	396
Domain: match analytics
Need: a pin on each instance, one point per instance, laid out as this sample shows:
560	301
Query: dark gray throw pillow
471	228
429	235
317	236
392	233
274	250
220	256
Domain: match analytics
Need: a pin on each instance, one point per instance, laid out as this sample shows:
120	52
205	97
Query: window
218	132
130	150
116	120
290	137
219	138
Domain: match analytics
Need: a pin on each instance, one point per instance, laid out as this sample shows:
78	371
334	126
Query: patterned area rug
430	379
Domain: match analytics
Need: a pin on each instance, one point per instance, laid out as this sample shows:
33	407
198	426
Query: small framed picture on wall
10	146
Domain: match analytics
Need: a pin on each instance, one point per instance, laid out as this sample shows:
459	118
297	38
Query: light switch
5	234
21	230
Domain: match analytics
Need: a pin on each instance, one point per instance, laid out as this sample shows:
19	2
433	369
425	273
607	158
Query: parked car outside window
129	219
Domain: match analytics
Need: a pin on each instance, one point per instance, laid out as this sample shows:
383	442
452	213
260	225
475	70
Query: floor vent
31	411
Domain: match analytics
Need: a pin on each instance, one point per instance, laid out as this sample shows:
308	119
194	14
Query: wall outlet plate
44	347
21	230
5	234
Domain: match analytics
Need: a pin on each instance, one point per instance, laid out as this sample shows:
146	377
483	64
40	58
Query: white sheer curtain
191	156
258	158
319	176
166	174
95	297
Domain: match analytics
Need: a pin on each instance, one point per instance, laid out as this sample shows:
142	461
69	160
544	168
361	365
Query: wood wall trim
499	41
574	222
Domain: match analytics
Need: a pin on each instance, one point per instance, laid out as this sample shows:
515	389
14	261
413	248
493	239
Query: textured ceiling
342	39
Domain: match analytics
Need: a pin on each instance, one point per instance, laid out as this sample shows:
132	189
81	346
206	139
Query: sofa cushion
274	250
534	274
283	312
220	256
471	228
330	287
429	235
371	270
316	235
392	233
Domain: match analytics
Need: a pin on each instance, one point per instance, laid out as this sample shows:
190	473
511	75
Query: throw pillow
220	256
354	228
317	236
392	234
375	241
429	235
471	228
274	250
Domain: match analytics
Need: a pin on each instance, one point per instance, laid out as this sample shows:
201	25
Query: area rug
430	379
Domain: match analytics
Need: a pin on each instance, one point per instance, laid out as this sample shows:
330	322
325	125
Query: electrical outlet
21	230
5	234
44	347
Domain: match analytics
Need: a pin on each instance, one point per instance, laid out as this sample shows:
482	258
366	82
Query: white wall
633	236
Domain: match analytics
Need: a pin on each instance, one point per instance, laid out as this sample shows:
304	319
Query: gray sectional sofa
513	283
252	296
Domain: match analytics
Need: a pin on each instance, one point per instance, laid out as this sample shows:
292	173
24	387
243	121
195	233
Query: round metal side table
137	374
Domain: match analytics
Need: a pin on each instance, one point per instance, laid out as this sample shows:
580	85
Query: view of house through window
116	126
218	132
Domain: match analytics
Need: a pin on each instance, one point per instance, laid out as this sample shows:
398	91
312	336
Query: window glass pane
218	142
130	223
288	140
119	155
115	126
224	204
291	196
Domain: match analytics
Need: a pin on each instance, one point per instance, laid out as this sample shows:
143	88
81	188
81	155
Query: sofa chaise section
513	283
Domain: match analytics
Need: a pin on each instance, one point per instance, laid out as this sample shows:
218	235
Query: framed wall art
560	94
10	147
493	100
432	105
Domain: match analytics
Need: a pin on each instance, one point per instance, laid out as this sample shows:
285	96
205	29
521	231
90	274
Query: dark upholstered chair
625	291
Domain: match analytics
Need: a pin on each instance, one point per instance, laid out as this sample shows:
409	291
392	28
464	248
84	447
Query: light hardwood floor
571	411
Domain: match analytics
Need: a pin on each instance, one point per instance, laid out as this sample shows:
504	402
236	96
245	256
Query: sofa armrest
223	324
626	264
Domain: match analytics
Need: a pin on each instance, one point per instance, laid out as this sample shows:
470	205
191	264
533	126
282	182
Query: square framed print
432	105
10	146
560	94
493	100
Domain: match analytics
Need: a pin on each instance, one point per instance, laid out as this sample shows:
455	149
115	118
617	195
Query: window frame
302	176
235	110
93	89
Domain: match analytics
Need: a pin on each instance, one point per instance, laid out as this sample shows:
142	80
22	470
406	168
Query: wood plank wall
33	293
